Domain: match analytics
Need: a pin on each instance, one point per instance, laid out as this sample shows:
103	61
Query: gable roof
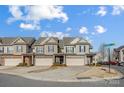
9	40
119	48
45	40
74	41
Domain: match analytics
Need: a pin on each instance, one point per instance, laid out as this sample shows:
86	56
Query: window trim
50	47
39	48
69	49
17	48
2	49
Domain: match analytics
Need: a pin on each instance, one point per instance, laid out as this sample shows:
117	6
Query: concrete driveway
45	73
65	74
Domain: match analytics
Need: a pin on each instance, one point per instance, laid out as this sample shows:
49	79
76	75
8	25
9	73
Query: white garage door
75	61
12	61
43	61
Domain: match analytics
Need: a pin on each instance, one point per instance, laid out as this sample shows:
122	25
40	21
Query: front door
59	60
28	60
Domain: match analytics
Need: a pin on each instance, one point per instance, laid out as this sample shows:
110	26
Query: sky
98	24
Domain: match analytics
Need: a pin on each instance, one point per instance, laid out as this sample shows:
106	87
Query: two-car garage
75	60
11	60
43	60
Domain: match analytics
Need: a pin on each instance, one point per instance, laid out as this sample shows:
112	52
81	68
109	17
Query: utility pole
109	58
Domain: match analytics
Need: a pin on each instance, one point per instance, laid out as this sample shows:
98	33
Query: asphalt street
16	81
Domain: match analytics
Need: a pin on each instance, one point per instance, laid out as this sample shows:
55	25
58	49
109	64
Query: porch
59	59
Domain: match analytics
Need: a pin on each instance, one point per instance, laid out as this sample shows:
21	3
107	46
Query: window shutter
84	48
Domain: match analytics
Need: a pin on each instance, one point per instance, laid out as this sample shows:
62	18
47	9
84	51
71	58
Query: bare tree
103	52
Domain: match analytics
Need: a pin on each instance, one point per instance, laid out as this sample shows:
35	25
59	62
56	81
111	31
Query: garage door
12	62
43	61
75	61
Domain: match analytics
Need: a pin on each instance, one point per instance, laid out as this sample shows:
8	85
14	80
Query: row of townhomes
45	51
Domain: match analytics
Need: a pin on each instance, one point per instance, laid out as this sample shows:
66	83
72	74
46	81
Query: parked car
111	63
121	63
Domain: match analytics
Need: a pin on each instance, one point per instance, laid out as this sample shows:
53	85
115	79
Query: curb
93	79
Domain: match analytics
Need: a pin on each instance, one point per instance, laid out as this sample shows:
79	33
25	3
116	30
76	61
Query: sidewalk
62	74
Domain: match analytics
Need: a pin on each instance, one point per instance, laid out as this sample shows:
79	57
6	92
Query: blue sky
98	24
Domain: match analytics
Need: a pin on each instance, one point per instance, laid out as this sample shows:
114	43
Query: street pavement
16	81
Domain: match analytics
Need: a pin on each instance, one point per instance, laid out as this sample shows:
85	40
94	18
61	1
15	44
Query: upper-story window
39	49
123	52
1	49
19	48
69	49
9	49
82	48
51	48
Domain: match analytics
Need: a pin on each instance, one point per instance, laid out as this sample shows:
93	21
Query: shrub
93	64
22	64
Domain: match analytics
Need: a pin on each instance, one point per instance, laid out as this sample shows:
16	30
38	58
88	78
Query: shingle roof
9	40
69	40
44	40
119	48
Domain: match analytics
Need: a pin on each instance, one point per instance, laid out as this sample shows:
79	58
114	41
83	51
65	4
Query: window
19	48
1	49
50	48
9	49
69	49
82	48
39	49
123	52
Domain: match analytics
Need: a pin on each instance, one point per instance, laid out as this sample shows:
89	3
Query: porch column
32	60
64	59
22	59
53	59
85	59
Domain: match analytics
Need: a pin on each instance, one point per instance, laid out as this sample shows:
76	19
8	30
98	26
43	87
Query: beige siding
121	55
75	60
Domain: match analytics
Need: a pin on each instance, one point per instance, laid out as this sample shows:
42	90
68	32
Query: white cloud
68	29
47	12
117	10
29	26
99	29
102	11
37	13
15	11
54	34
83	30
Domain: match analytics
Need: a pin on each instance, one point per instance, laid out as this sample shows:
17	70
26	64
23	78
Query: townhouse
46	51
118	54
